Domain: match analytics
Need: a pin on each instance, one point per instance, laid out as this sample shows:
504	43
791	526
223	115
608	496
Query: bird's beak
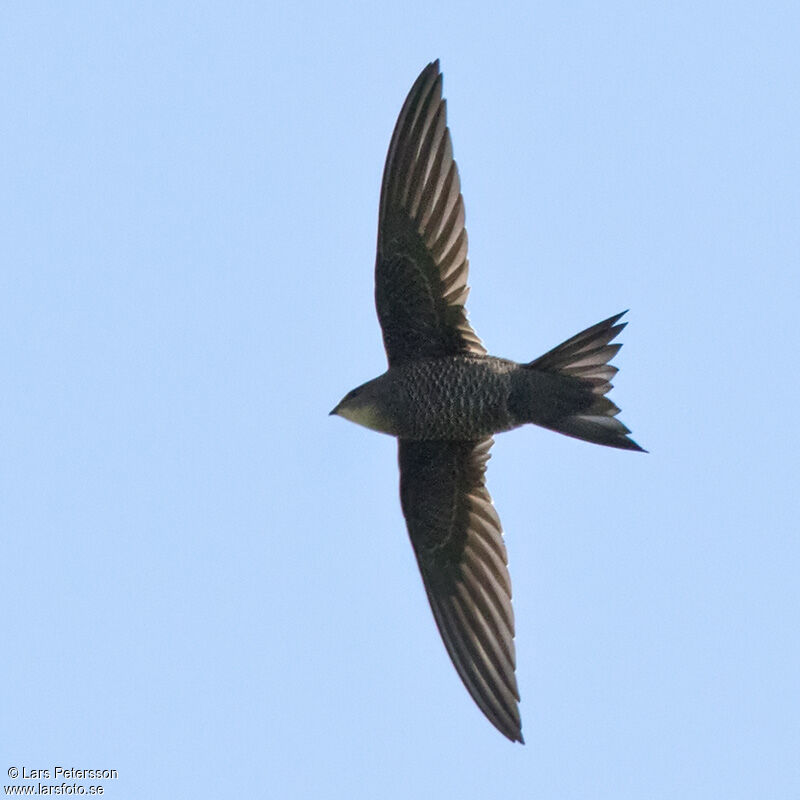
335	410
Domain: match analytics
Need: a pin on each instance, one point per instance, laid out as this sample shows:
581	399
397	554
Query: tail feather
580	406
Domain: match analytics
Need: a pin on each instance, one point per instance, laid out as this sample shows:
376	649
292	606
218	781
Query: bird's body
468	397
459	398
444	397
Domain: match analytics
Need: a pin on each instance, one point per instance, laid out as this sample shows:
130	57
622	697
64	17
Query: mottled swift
444	397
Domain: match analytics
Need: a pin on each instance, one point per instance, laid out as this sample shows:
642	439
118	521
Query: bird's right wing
421	265
458	541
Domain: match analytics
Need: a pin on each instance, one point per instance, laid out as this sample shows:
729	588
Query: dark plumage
444	397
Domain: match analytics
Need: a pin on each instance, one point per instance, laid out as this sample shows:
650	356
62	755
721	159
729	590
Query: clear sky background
207	583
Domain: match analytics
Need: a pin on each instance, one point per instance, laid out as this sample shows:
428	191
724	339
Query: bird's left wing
458	541
421	265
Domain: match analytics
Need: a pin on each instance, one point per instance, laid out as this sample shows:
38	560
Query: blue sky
207	583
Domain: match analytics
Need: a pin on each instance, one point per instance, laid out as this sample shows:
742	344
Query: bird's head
366	405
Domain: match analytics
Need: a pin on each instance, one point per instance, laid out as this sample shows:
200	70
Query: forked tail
575	377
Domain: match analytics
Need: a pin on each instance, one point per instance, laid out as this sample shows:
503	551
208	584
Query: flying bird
444	397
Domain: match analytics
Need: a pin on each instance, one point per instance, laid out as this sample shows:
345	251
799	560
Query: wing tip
513	734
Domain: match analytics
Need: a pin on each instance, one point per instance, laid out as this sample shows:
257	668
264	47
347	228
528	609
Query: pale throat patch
368	416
